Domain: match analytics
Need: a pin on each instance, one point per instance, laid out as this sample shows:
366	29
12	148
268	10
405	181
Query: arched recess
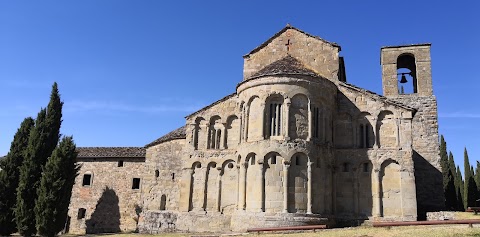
365	192
232	132
163	202
255	120
273	168
200	134
274	115
344	188
228	190
211	186
365	134
197	189
298	117
407	69
297	184
343	131
252	182
214	132
387	130
391	197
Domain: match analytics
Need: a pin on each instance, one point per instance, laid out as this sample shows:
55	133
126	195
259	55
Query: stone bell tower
416	62
410	66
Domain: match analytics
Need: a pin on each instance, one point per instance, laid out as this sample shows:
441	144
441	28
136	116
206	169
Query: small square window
120	163
136	183
87	180
81	213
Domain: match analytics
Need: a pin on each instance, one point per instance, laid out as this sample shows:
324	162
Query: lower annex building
295	144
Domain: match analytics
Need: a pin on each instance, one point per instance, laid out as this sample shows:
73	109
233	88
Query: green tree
9	176
459	188
477	179
42	141
55	188
448	177
469	186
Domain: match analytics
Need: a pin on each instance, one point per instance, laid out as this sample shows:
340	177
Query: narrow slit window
81	213
120	163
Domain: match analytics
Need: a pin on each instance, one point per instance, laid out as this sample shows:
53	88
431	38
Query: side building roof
179	133
111	152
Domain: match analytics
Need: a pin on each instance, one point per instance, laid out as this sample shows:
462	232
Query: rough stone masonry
294	145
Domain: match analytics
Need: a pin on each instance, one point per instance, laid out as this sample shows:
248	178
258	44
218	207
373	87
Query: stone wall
110	202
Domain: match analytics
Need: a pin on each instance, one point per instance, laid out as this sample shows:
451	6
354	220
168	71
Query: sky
130	71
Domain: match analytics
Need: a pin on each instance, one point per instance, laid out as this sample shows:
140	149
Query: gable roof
285	66
288	26
376	96
179	133
111	152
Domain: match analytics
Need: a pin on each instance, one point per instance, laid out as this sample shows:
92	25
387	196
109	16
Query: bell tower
406	70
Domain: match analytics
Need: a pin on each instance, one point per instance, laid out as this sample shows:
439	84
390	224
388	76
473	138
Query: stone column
242	184
397	131
378	193
261	185
287	103
219	191
375	135
355	192
247	110
193	138
286	165
185	188
262	118
278	113
207	133
310	127
309	187
334	191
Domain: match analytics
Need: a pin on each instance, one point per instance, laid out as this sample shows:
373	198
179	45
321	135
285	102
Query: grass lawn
403	231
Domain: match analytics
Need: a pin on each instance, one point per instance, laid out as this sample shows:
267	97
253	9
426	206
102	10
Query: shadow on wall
106	217
429	187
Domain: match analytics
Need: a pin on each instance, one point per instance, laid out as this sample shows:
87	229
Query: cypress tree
55	189
477	179
9	176
469	185
30	173
459	188
448	177
43	140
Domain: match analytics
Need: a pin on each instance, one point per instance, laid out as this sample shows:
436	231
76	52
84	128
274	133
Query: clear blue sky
129	71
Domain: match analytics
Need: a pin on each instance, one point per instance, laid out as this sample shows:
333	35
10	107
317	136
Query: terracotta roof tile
111	152
285	66
179	133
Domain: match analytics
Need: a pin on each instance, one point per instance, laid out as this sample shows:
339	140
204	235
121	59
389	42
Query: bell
404	79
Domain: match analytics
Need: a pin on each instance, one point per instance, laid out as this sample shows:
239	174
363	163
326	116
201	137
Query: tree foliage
9	176
55	188
42	141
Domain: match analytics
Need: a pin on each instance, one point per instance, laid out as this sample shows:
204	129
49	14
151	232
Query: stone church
295	144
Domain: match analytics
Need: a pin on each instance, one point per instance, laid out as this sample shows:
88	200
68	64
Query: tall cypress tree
448	177
9	176
55	189
30	173
477	179
469	185
460	189
43	140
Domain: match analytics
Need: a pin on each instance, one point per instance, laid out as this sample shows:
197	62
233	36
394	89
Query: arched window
274	116
157	173
407	74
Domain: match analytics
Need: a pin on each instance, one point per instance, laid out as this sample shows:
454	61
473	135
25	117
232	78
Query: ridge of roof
179	133
287	65
373	94
288	26
212	104
111	152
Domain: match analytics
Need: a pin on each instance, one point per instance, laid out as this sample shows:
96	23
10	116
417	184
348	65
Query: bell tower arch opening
406	74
